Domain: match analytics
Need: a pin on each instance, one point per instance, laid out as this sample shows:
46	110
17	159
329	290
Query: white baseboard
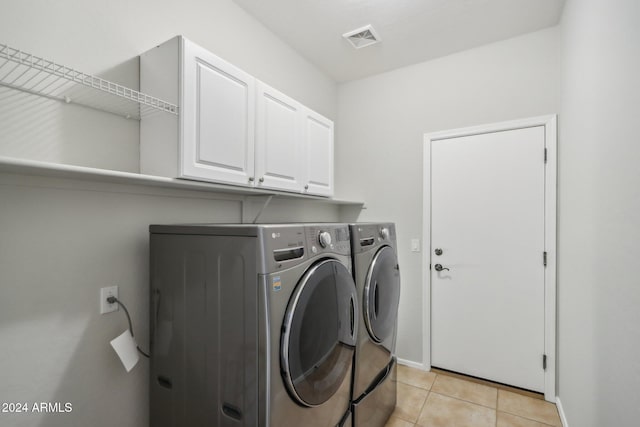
411	364
563	418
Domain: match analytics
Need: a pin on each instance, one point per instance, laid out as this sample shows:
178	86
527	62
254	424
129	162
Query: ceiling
412	31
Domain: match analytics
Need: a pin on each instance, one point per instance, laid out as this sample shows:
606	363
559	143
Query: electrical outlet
110	291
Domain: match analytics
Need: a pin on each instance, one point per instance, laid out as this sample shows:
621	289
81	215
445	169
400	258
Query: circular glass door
382	295
318	336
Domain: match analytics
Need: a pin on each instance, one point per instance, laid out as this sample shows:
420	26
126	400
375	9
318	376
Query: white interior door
488	219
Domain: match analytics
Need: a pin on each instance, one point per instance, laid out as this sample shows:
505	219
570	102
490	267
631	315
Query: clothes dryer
377	277
251	325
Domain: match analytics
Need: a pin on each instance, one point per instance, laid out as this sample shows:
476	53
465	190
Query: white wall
599	227
382	120
62	240
105	38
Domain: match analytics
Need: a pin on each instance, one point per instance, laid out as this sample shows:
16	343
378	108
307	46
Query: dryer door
382	296
319	333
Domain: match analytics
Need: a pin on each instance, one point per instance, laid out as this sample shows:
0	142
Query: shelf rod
64	100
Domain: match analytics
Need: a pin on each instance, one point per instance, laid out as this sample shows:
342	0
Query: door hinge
429	266
544	258
544	362
545	155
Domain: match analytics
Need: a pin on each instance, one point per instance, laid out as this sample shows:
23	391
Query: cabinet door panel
278	141
319	154
217	119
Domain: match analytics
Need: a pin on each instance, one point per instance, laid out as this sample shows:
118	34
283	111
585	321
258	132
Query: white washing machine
377	277
251	325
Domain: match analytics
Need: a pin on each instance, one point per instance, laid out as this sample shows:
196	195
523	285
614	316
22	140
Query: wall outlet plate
105	307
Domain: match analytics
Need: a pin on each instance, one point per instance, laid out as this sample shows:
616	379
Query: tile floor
429	399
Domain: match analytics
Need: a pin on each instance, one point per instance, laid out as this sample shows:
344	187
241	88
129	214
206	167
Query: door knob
439	267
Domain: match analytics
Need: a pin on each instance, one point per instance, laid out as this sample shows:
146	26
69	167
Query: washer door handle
352	318
376	300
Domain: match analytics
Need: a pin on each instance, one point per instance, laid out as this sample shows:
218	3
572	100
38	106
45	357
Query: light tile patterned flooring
429	399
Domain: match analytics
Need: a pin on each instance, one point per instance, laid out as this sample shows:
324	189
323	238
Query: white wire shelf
31	74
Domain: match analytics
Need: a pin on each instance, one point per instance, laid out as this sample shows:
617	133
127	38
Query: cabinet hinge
544	258
544	362
545	155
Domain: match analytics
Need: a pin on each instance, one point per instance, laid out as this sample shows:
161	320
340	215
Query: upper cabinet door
279	140
218	118
318	137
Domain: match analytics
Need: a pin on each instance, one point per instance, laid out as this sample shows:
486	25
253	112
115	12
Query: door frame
550	212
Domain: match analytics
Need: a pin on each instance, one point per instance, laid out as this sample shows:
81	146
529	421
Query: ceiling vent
362	37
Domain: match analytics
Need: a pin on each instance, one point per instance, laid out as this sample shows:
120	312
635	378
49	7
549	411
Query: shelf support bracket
247	204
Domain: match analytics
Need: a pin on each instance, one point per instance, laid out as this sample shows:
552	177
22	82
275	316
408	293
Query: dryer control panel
368	236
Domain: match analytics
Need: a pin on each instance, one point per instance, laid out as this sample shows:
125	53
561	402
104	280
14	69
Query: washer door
319	333
382	295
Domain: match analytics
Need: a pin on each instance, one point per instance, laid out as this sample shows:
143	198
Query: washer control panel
328	238
324	238
283	246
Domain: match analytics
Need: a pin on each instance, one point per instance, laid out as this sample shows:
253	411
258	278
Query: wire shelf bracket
34	75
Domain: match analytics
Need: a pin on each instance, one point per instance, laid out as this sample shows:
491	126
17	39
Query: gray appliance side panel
264	355
204	338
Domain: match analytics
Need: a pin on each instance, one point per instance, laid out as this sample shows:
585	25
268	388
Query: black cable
112	300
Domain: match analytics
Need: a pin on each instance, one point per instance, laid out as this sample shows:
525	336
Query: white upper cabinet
318	140
218	117
231	128
213	137
279	140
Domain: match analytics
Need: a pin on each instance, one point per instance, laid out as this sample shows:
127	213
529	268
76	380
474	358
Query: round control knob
384	233
324	238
